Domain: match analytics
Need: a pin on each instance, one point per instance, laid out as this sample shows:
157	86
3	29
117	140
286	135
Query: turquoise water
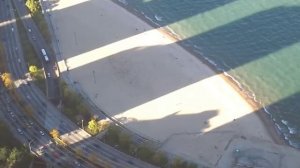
255	41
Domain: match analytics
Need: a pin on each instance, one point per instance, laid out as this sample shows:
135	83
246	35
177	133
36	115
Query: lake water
255	41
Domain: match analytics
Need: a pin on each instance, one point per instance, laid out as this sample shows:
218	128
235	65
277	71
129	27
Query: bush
159	159
73	105
145	153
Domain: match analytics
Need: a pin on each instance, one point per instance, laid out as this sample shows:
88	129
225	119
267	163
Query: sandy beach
141	77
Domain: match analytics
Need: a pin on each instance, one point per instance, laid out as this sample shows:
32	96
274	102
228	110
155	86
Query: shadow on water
286	114
230	45
250	38
184	9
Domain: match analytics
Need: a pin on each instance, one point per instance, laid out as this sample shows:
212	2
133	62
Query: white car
42	133
19	131
48	75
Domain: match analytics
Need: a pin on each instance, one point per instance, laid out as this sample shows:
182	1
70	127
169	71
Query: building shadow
195	137
184	9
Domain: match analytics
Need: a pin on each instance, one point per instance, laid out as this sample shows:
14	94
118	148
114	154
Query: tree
124	142
7	80
192	165
145	153
13	158
159	159
112	135
102	125
33	6
179	163
33	69
93	126
55	134
3	154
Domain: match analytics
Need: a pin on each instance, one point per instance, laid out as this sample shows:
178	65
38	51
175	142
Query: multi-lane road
44	115
35	37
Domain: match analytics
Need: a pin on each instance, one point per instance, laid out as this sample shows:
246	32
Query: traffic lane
53	90
39	43
19	131
33	30
23	133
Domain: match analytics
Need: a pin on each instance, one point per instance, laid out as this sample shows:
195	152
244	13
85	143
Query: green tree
124	142
33	6
3	155
14	157
192	165
145	153
93	126
179	163
33	69
112	135
159	159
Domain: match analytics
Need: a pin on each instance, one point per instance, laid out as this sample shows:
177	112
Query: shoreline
257	108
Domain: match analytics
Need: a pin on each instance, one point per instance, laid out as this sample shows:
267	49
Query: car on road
12	114
19	131
77	163
48	75
45	55
28	125
28	97
42	133
30	122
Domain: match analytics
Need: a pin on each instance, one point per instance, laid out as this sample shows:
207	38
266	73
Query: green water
255	41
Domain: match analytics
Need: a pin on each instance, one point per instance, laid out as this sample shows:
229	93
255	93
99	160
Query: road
35	37
25	128
48	117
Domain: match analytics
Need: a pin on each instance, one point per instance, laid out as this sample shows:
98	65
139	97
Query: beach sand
141	77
